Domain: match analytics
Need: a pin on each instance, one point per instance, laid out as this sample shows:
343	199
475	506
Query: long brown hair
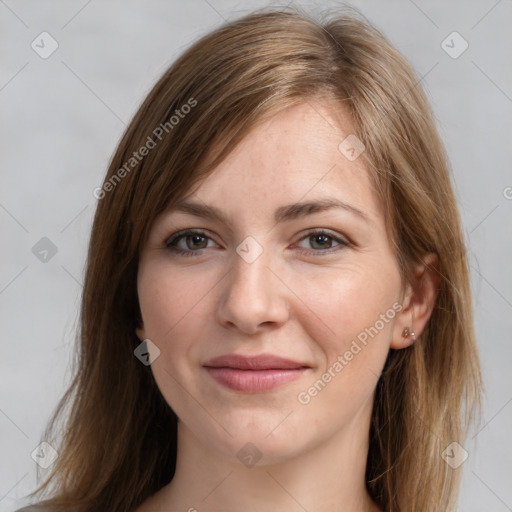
117	445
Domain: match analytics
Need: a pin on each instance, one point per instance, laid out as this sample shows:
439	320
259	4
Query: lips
253	374
262	362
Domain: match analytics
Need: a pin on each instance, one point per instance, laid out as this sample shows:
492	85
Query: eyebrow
282	214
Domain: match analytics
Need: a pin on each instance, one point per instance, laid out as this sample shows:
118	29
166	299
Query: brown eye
321	243
195	241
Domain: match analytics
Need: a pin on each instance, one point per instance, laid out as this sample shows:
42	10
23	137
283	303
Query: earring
409	332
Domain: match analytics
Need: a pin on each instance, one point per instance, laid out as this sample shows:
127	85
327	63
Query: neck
328	477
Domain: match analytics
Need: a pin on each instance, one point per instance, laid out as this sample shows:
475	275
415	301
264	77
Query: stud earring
408	331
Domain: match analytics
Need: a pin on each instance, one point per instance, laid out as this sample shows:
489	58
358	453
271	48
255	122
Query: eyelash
174	239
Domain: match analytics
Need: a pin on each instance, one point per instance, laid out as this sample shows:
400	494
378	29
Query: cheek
173	306
353	330
171	301
341	304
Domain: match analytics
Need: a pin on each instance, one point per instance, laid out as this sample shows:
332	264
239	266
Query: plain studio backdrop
72	75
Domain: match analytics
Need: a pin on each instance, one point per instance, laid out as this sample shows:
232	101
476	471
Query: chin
263	440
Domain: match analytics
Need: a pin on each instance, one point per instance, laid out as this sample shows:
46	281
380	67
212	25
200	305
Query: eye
191	243
322	243
194	241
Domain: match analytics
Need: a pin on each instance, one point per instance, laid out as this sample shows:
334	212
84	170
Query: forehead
293	155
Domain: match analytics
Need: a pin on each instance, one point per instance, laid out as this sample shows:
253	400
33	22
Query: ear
418	303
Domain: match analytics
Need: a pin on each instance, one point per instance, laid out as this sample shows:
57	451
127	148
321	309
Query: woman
276	311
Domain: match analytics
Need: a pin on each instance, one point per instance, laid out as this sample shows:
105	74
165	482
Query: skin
306	306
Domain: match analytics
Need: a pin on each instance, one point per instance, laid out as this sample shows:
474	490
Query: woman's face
318	287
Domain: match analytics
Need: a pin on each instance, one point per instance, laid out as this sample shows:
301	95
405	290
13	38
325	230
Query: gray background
62	117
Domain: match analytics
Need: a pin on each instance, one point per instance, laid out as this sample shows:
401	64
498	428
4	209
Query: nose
254	296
